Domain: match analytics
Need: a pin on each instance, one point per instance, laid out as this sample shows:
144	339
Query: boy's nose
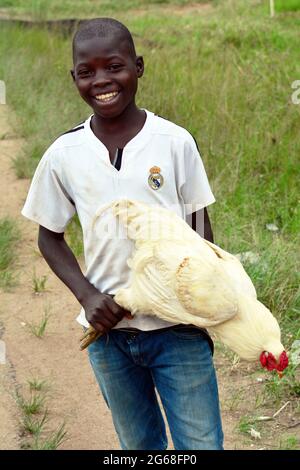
101	78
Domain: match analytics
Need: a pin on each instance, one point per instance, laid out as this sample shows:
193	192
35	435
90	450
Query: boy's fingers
118	311
107	322
99	327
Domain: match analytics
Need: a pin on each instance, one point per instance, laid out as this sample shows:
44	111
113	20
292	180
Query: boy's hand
102	312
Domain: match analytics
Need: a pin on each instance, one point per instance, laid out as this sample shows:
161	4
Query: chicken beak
280	374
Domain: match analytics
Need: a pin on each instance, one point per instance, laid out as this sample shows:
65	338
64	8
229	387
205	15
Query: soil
72	394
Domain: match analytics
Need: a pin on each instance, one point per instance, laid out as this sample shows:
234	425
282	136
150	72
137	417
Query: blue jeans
177	362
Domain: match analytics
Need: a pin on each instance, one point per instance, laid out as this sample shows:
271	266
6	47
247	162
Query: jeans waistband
175	327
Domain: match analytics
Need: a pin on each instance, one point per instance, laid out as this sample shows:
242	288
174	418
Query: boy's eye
84	73
114	67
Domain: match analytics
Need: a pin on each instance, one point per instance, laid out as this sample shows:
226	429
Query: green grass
38	283
36	428
277	390
35	418
39	329
289	442
35	425
37	385
235	400
226	76
52	441
245	424
9	236
277	282
32	405
287	5
43	9
74	236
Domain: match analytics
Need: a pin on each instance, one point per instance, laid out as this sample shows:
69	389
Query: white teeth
106	96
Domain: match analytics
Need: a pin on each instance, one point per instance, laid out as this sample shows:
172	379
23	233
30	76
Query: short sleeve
47	202
194	186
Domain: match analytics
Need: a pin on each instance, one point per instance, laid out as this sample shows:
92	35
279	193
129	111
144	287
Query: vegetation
43	9
289	442
31	406
36	384
39	329
35	419
287	5
38	283
9	236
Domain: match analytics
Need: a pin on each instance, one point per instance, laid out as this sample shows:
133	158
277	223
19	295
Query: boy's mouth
105	97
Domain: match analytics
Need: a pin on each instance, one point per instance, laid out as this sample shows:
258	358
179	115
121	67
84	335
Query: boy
110	156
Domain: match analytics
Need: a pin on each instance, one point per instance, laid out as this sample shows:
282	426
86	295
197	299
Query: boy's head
106	67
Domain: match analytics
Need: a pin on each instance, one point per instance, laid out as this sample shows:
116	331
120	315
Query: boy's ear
139	62
73	74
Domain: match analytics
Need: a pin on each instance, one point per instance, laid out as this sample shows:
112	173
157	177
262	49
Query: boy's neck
126	123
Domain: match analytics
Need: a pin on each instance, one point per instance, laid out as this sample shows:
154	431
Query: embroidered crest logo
155	178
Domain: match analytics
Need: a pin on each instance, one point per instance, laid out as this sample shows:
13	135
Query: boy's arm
100	309
194	221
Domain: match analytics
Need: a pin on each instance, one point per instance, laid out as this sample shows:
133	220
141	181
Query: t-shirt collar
138	140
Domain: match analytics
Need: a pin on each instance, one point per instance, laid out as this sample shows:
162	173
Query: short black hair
103	27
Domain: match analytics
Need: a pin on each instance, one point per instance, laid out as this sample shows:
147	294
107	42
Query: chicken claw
89	337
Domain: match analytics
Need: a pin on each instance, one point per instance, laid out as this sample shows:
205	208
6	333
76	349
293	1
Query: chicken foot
89	337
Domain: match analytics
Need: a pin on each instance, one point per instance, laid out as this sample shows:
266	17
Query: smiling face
106	73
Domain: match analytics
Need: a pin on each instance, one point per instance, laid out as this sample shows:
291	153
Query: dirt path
72	394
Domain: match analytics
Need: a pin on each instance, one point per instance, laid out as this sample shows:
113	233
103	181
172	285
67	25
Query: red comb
268	361
283	361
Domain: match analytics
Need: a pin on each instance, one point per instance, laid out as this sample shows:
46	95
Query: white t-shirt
76	175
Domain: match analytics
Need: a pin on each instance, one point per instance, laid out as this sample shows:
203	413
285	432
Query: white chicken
178	276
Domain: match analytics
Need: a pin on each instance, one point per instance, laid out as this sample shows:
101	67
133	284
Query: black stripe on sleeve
73	130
